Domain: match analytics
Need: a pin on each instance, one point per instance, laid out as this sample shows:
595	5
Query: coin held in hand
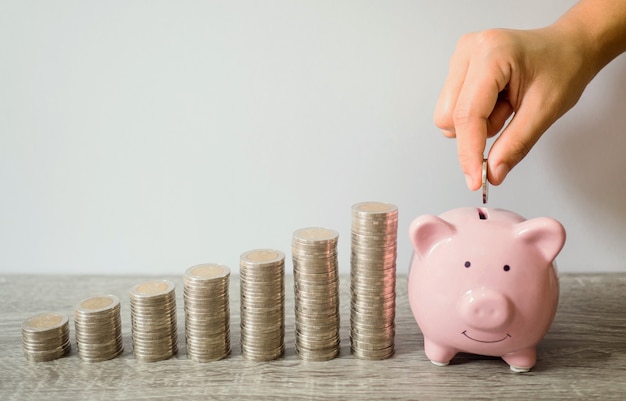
485	183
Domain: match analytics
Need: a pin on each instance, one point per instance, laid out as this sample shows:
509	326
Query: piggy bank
484	281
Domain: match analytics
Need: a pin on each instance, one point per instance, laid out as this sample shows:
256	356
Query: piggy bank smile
485	341
484	282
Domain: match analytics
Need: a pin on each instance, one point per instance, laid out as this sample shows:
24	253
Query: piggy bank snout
486	309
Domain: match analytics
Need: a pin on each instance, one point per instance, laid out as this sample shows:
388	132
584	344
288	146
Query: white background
143	137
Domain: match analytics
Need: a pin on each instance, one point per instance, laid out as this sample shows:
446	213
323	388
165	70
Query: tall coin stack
98	328
262	275
153	318
46	337
207	313
316	288
373	280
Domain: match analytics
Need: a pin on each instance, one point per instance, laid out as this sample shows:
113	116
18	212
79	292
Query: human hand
535	76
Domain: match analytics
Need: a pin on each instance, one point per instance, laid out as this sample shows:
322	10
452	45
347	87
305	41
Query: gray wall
142	137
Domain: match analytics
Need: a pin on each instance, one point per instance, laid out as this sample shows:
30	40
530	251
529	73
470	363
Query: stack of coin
98	327
207	313
373	280
46	337
316	288
153	318
262	275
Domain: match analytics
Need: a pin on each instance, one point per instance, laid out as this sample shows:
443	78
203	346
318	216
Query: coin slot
482	214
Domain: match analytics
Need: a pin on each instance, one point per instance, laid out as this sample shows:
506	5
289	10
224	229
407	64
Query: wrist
597	29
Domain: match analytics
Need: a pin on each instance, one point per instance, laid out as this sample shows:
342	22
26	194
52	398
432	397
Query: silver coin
372	279
154	289
315	235
54	352
154	330
485	182
316	333
319	345
262	304
373	208
316	293
317	355
261	356
207	313
44	322
206	273
374	351
45	337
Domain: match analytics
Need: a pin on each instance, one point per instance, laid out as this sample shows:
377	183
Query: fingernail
469	182
501	171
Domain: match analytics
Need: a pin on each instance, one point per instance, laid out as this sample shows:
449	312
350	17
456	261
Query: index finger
476	102
457	70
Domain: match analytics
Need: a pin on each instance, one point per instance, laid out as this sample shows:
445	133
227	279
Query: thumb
517	139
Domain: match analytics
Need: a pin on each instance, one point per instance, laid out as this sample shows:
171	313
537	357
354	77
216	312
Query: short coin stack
46	337
316	288
98	327
207	313
373	280
262	275
153	318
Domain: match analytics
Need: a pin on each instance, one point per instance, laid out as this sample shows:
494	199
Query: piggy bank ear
427	231
545	234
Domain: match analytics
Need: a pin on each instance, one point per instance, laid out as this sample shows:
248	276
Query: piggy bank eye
506	268
468	264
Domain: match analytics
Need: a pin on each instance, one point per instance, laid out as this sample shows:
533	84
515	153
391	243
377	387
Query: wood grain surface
582	357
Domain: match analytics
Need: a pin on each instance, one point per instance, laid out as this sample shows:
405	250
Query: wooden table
582	357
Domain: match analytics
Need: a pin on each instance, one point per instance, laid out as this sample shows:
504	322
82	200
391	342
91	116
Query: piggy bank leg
438	354
521	361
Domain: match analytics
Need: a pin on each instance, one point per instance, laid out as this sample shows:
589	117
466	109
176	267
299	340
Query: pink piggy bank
483	281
